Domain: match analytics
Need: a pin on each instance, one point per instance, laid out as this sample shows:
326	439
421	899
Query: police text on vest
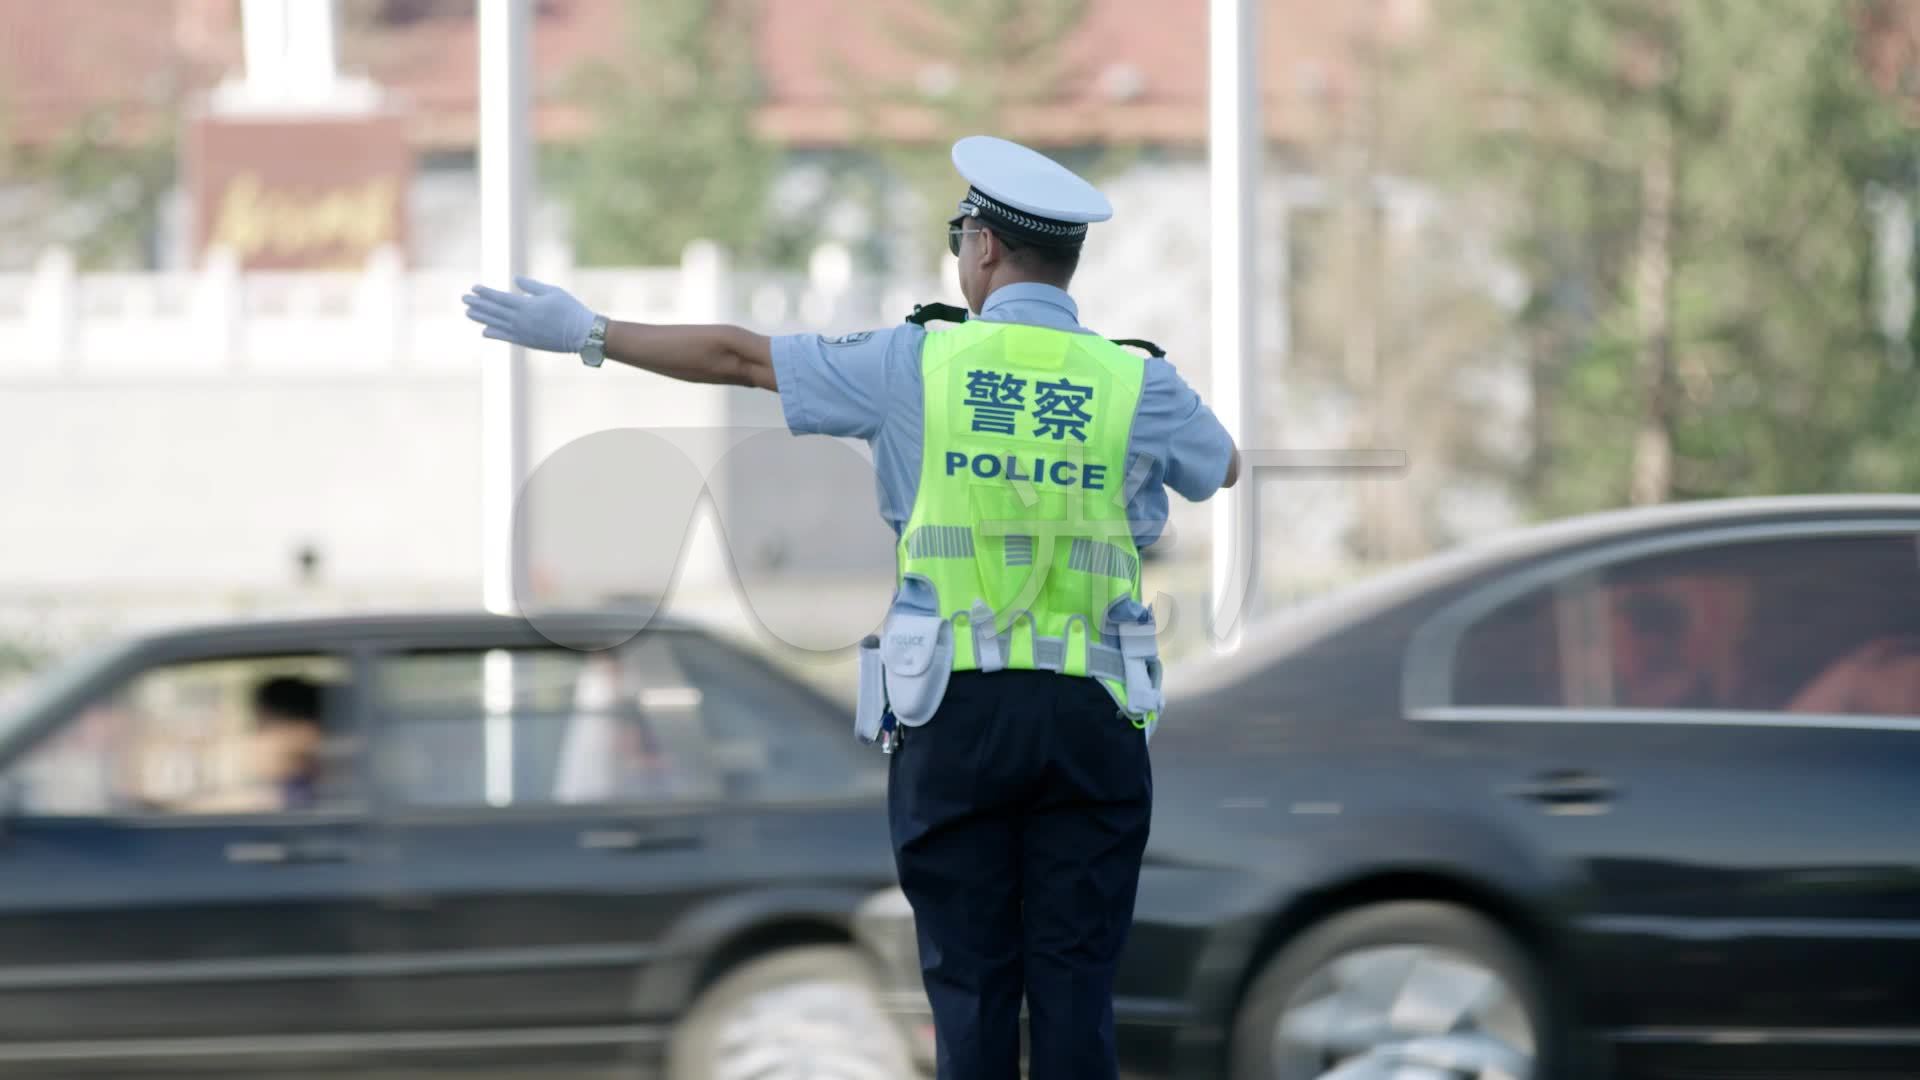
1036	470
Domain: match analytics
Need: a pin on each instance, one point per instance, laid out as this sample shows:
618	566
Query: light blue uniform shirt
868	386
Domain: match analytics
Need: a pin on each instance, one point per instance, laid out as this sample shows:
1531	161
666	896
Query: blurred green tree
1396	329
95	191
1696	189
974	65
674	156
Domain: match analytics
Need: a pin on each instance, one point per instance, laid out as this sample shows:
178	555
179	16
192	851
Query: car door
1715	736
551	818
154	900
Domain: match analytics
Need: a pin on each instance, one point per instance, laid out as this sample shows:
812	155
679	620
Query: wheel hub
816	1030
1404	1012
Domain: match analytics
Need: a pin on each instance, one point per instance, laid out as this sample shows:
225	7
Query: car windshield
45	690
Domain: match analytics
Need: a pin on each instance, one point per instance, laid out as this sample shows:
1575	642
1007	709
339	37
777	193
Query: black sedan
404	841
1636	794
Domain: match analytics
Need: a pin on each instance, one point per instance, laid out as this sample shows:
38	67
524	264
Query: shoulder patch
848	339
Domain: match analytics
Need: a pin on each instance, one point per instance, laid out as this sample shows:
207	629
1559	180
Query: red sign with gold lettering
299	192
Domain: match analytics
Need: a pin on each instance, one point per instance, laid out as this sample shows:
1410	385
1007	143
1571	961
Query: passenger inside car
1674	641
291	734
287	758
1881	678
1800	629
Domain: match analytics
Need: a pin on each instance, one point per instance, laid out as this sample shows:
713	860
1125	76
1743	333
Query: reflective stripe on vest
1020	523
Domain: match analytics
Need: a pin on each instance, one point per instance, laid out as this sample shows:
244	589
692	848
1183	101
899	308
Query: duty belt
1103	661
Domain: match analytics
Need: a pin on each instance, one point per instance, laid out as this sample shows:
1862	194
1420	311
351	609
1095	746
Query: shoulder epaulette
926	313
1151	349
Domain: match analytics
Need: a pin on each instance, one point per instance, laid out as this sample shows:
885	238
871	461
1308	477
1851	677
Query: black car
1636	794
492	849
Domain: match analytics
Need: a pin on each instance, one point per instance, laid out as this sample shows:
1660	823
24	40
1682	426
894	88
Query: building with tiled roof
1139	66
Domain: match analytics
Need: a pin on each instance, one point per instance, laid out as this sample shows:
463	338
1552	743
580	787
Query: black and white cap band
1021	225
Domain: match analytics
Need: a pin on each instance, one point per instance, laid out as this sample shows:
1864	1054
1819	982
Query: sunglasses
955	230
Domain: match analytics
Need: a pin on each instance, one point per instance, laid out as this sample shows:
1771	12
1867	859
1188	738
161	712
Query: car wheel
807	1012
1395	991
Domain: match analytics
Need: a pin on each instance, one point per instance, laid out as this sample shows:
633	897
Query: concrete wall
167	430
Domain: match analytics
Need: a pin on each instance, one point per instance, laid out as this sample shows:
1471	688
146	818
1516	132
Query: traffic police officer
1023	462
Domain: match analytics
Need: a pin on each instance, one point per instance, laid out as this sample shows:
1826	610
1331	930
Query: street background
1550	256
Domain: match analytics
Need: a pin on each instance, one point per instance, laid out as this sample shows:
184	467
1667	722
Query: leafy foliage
976	64
1781	144
92	191
674	156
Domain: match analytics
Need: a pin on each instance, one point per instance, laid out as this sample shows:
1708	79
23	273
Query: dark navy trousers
1019	817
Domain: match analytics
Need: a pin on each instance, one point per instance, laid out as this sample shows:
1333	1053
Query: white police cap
1026	194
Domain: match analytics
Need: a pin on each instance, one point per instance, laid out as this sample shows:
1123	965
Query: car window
669	717
221	736
1512	656
536	726
1815	625
773	737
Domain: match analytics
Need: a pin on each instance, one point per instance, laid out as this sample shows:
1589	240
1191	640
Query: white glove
547	317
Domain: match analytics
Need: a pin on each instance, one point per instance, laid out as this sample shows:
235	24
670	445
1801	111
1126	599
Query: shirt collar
1032	291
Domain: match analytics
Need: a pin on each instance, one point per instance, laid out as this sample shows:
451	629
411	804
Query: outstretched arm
708	354
545	317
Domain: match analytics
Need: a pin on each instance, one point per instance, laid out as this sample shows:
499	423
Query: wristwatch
596	349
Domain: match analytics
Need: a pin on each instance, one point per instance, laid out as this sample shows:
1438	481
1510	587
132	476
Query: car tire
1399	984
801	1012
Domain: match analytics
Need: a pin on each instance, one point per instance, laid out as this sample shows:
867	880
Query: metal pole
504	31
1234	145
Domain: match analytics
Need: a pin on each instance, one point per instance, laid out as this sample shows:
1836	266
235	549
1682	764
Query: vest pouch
869	715
1143	682
917	652
1140	660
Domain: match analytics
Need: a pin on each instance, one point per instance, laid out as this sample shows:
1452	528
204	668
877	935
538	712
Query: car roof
1270	637
375	626
65	683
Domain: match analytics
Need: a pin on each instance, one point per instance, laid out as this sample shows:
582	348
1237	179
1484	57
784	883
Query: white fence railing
56	321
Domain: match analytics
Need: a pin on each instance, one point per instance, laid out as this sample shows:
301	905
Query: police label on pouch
1035	470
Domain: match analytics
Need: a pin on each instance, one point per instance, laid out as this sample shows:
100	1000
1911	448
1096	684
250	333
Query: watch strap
595	352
